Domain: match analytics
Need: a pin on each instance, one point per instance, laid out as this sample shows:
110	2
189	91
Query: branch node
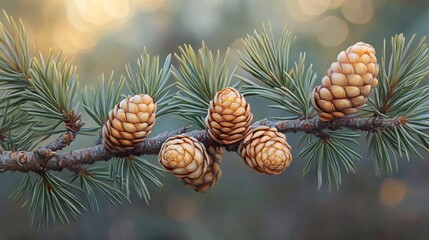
22	158
73	122
44	152
323	136
401	120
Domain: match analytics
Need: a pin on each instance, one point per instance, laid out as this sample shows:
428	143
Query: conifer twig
23	161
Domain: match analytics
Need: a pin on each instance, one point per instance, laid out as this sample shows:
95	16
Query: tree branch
73	125
61	142
32	161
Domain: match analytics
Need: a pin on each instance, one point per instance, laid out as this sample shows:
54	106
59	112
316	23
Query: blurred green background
103	35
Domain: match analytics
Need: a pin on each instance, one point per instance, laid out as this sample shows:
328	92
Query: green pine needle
132	172
328	155
16	128
98	101
151	80
15	58
98	180
49	198
268	60
55	84
401	94
199	77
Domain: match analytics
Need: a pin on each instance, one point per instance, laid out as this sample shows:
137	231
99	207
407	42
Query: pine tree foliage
132	173
152	80
55	84
97	101
49	199
13	134
199	76
401	93
39	100
15	57
328	155
8	123
269	61
95	180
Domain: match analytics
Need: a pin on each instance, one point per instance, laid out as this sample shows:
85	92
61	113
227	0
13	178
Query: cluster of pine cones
344	90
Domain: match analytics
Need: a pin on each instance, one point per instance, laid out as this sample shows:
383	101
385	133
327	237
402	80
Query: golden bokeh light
87	19
331	31
71	40
117	9
314	7
392	192
92	11
296	12
357	11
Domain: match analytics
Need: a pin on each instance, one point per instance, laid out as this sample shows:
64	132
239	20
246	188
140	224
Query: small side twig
65	139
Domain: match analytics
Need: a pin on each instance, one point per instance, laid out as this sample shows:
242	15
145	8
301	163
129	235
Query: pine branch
400	93
23	161
41	93
64	140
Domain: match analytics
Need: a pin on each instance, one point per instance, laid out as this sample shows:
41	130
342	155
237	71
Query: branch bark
24	161
73	125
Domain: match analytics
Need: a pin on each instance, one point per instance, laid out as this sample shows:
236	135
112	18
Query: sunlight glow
314	7
331	31
357	11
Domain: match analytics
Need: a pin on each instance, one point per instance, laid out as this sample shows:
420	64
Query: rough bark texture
45	158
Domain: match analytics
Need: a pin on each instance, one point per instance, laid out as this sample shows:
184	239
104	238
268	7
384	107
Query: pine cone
347	84
228	117
130	121
190	162
265	150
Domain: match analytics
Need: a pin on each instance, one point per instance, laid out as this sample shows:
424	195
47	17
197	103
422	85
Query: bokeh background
103	35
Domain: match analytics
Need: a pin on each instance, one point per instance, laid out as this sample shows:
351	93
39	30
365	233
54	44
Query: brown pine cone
130	121
228	117
189	161
347	84
265	150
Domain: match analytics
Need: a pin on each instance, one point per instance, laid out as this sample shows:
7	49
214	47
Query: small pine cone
347	84
190	162
130	121
228	117
265	150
